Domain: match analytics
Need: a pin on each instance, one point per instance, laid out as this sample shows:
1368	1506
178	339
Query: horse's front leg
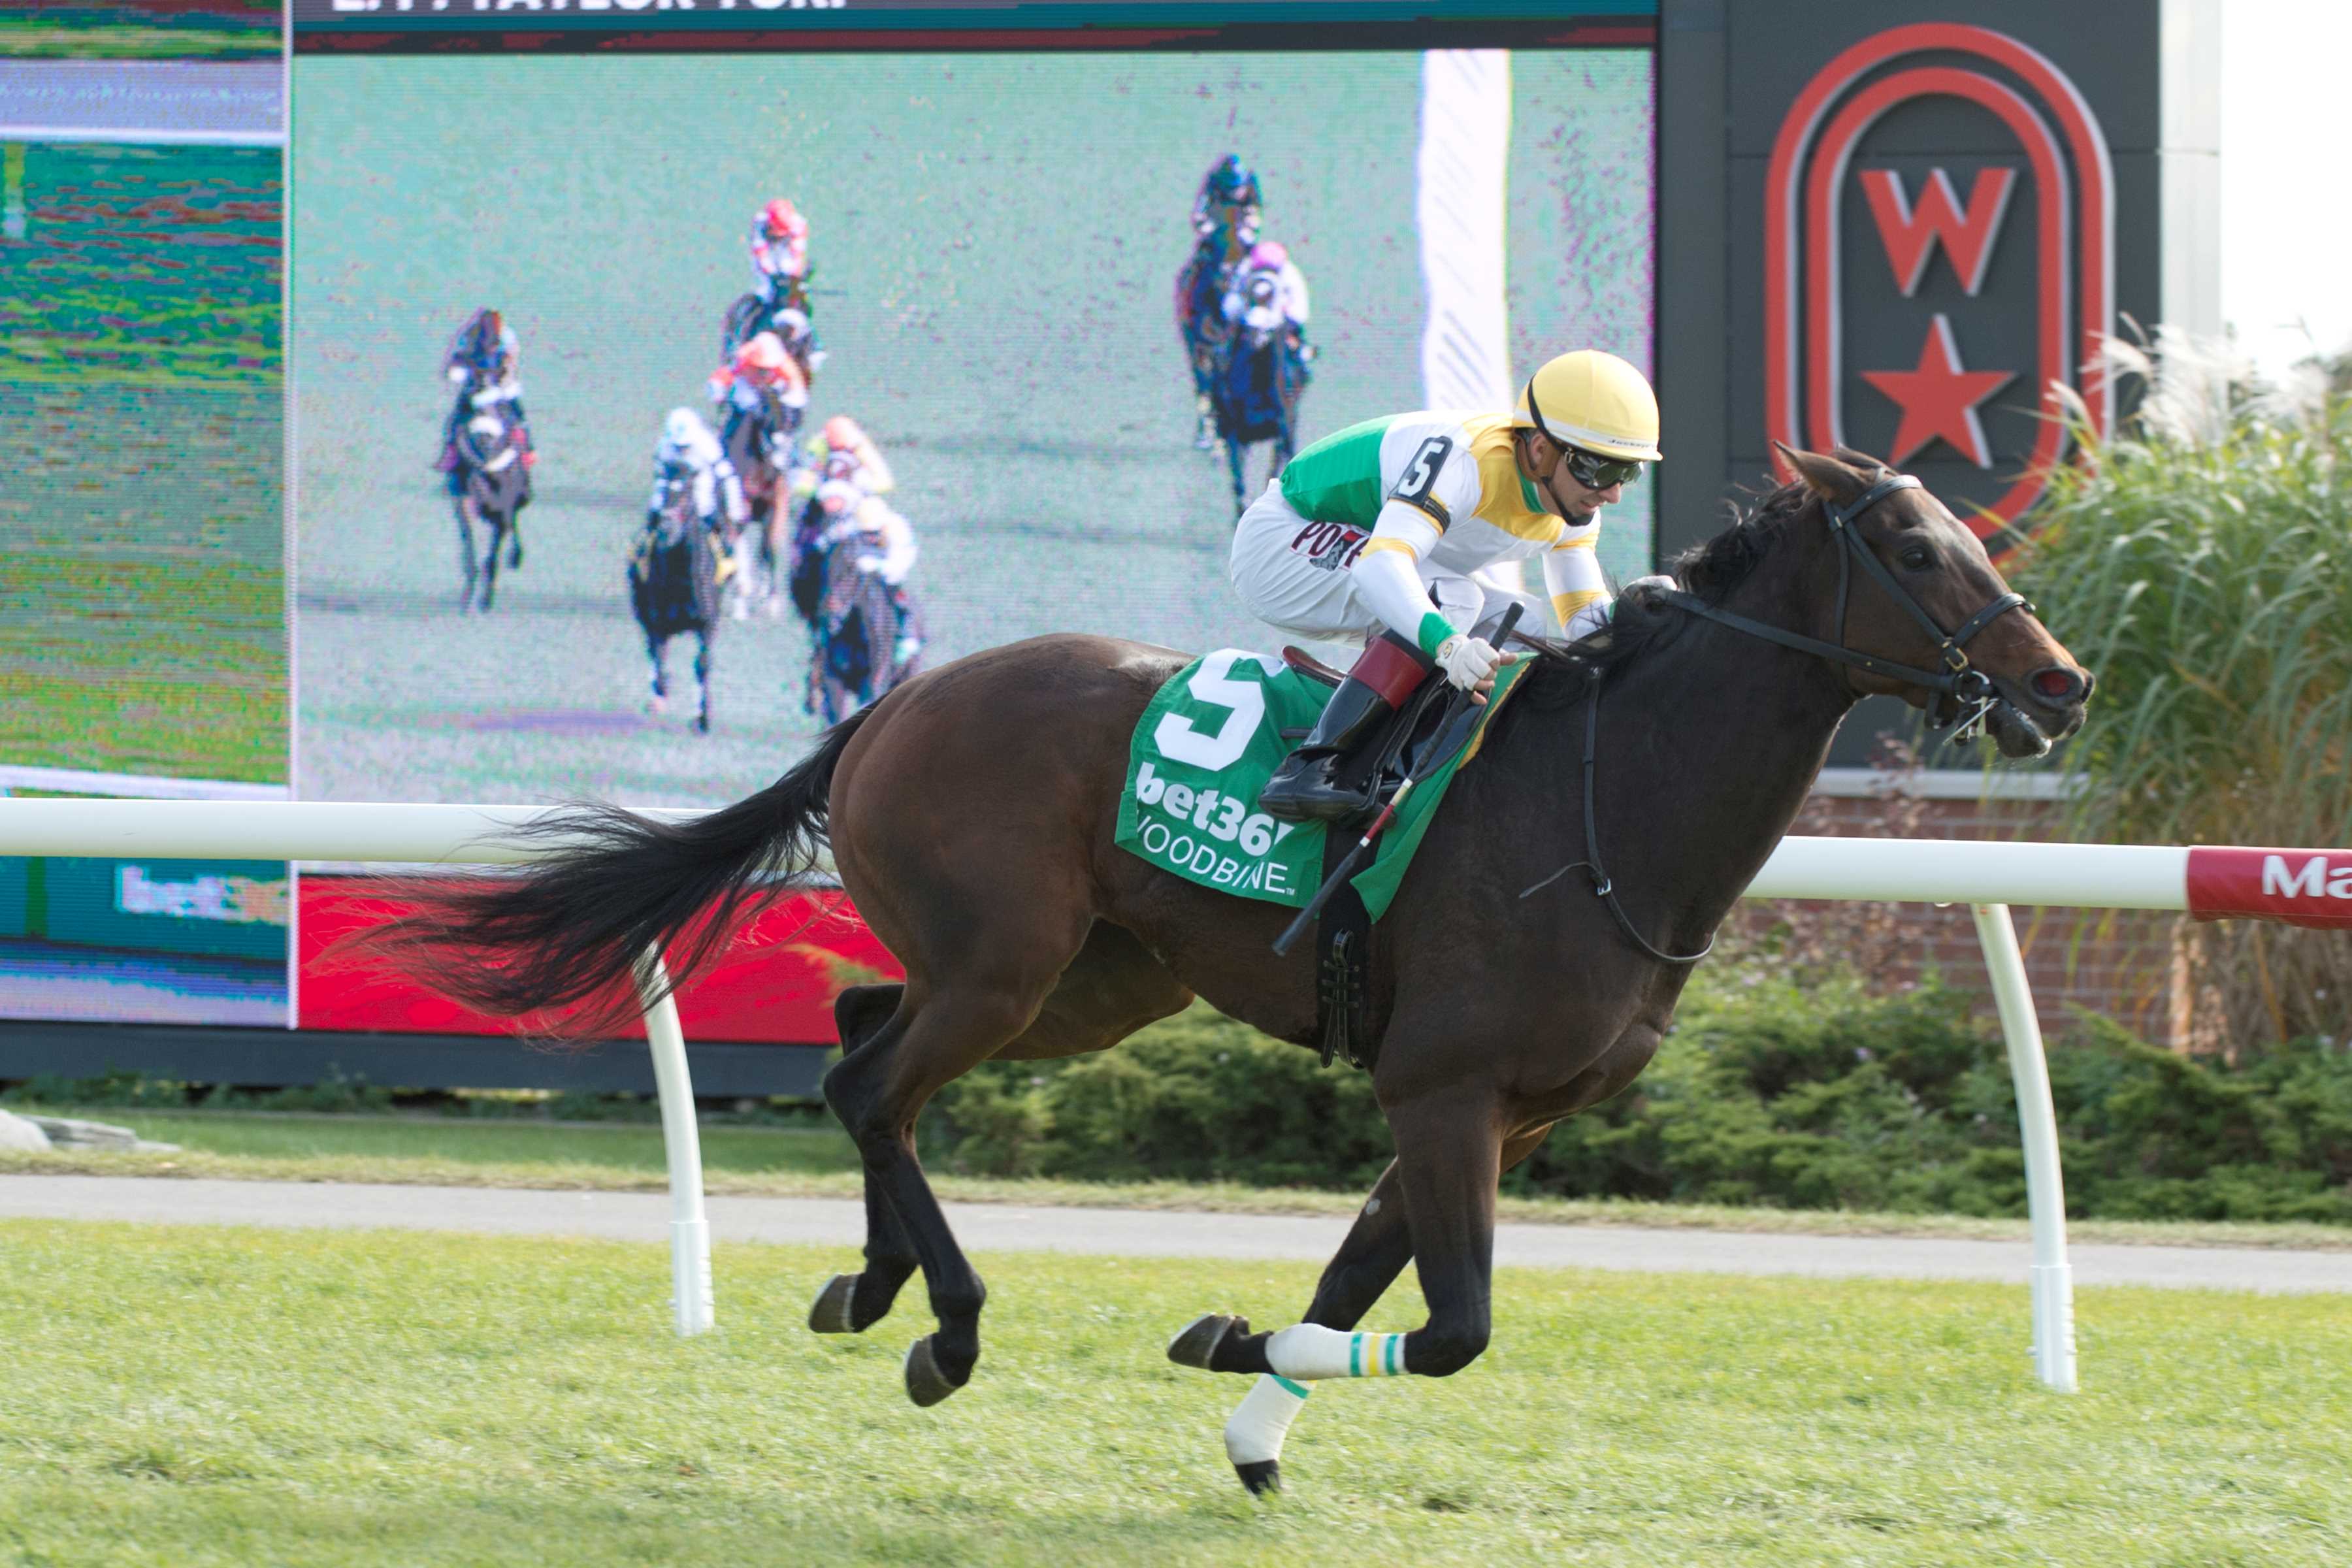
702	679
659	701
462	507
1378	1247
496	526
1449	1157
1234	462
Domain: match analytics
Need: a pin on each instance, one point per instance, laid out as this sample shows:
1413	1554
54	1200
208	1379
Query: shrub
1766	1093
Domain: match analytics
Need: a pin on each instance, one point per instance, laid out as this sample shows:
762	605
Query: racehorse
674	589
790	318
971	816
765	455
855	633
1200	321
1261	374
491	491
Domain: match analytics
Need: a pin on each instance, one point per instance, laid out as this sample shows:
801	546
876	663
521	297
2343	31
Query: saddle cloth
1206	745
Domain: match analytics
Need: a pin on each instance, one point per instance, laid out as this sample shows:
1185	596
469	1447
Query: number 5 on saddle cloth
1205	746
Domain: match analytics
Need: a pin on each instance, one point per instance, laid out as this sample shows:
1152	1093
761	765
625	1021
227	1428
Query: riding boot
1330	776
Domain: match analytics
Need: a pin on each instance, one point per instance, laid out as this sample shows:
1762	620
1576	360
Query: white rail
2311	887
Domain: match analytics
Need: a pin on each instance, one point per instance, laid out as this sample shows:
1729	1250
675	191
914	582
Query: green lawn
819	1161
196	1396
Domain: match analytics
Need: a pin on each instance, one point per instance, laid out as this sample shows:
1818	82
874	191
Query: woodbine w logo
1920	309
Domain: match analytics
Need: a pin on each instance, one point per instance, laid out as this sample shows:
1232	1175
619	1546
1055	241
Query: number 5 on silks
1212	685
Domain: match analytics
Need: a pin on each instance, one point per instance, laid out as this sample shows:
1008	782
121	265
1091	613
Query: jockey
890	549
760	365
851	456
498	368
779	265
1381	532
688	453
1229	196
1286	297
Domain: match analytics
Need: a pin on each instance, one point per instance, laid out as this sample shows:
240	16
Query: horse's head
1900	580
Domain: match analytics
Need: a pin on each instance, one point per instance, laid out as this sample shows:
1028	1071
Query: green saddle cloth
1205	748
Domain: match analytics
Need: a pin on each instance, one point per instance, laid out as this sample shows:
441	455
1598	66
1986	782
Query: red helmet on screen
764	351
1268	256
782	220
841	433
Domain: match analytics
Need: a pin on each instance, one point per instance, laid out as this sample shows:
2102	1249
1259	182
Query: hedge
1765	1093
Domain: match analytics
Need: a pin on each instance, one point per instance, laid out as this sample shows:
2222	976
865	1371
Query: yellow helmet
1593	401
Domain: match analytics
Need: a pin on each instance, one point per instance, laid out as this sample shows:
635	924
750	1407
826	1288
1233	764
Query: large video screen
433	563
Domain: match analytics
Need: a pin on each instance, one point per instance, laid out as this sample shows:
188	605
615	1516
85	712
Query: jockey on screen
779	265
762	365
485	349
851	456
1379	532
689	454
889	548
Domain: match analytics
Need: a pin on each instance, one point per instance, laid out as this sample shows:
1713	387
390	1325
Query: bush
1766	1093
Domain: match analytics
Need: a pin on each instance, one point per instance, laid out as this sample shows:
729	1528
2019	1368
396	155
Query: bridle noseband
1965	693
1957	686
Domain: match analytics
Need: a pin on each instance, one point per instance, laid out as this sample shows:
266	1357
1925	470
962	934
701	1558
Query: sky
2286	223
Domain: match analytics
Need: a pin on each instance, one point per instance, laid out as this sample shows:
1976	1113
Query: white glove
1468	660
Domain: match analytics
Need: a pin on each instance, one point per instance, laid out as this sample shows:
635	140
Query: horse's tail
563	935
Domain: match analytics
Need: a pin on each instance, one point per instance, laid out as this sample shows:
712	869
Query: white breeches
1295	573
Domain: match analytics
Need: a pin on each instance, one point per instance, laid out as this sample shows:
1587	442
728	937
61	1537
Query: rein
1957	684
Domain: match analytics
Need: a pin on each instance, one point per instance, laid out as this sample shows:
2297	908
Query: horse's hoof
926	1383
1261	1476
1199	1339
830	1313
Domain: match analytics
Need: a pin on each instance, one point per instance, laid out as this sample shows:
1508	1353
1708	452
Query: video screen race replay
935	278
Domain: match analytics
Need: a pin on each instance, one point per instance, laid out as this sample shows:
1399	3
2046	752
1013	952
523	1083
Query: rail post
2045	1189
689	1227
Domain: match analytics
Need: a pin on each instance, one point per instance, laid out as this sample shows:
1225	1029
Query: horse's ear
1831	479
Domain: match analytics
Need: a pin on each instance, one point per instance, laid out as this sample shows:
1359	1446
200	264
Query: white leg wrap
1308	1351
1253	1435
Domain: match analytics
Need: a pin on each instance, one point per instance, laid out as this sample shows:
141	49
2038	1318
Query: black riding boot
1329	775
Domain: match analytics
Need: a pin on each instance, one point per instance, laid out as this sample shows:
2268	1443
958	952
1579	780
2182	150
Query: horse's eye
1918	558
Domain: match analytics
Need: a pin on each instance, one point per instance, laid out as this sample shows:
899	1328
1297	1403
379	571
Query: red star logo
1939	398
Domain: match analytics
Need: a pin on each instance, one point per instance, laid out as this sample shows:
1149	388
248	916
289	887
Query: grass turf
820	1162
200	1396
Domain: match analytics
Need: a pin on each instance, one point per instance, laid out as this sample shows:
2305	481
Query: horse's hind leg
966	1006
852	1303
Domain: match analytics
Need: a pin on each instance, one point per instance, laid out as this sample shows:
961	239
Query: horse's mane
1564	670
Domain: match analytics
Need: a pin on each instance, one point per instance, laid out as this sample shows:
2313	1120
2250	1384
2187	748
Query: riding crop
1451	739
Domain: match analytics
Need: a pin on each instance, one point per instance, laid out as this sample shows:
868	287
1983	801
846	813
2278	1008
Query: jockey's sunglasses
1595	472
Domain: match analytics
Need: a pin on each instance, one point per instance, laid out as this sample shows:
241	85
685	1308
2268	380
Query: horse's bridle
1965	694
1957	686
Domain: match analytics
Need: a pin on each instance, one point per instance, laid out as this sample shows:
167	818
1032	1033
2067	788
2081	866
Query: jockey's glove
1468	660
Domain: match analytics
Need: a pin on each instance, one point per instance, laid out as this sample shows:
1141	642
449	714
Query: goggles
1595	472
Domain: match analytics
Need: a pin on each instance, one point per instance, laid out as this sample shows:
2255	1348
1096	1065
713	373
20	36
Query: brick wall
2119	963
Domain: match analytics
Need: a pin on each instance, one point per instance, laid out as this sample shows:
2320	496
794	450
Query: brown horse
972	813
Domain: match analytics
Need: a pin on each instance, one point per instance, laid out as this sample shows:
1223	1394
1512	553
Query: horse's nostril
2058	684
